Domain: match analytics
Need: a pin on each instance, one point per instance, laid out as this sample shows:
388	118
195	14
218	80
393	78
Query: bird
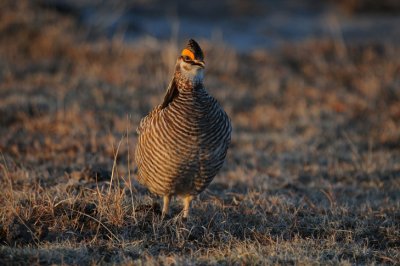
182	143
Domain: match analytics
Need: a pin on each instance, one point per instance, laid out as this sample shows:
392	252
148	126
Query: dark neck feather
171	94
179	83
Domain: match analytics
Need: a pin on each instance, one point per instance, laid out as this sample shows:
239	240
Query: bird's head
190	63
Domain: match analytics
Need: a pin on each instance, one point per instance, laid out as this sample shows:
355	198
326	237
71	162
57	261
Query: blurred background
241	24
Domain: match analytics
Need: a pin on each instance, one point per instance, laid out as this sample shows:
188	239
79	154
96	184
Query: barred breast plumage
183	142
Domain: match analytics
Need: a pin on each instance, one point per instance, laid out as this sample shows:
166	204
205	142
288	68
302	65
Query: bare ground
312	175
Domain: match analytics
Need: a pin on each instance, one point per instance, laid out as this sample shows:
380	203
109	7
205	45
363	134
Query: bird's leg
165	209
186	205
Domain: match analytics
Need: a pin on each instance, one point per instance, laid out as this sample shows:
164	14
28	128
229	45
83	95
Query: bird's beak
199	63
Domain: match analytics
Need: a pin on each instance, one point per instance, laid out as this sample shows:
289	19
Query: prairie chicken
183	142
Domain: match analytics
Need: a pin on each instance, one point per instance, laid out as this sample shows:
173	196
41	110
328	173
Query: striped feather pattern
182	146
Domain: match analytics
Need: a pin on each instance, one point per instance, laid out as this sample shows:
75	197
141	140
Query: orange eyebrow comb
189	53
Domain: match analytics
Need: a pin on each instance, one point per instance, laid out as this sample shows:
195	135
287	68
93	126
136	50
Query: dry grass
312	175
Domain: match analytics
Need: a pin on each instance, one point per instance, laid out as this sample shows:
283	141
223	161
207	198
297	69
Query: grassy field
312	175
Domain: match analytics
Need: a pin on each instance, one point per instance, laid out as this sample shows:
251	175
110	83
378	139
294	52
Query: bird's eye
186	58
